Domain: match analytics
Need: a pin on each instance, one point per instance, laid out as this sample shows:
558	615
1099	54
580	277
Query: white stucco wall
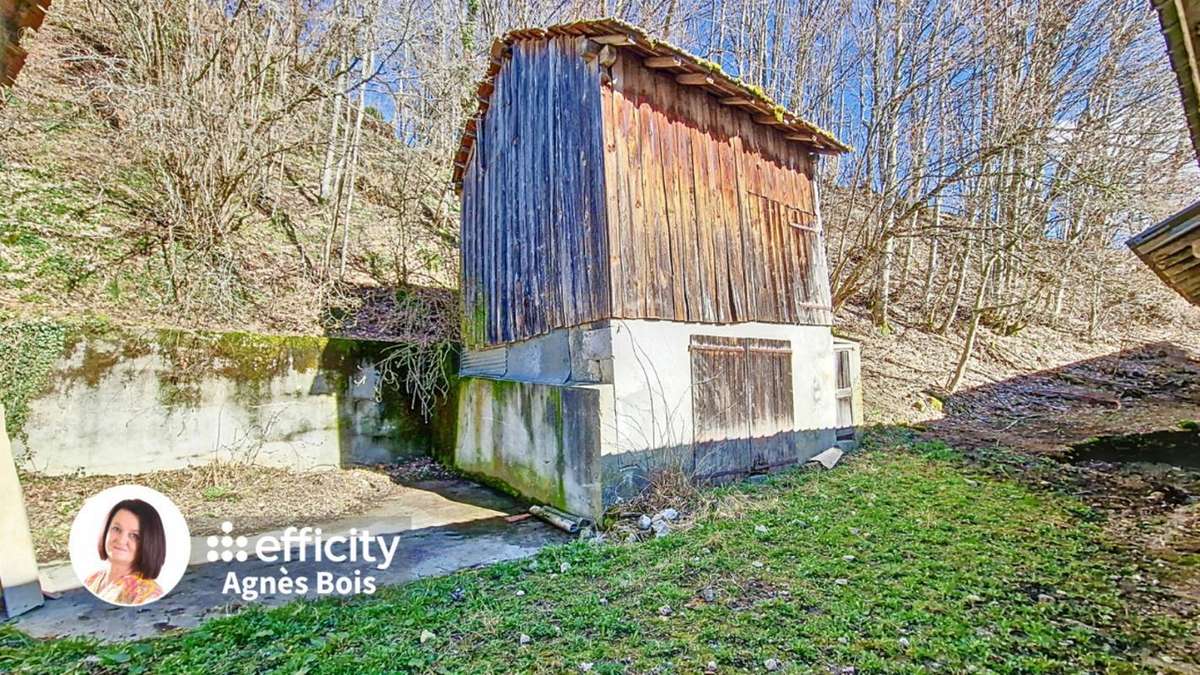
652	378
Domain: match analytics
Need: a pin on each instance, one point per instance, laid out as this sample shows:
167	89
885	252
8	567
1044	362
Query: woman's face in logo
121	543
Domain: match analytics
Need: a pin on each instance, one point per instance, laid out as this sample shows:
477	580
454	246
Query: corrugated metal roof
638	41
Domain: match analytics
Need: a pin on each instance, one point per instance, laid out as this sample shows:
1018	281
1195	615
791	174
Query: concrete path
442	526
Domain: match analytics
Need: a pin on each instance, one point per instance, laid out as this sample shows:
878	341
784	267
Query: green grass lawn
893	561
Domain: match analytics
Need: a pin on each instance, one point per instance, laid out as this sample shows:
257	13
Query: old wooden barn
643	272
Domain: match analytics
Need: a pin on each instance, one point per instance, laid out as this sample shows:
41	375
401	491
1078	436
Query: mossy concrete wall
125	402
540	441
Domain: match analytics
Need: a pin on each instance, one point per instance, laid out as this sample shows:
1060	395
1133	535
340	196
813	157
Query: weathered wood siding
533	256
711	217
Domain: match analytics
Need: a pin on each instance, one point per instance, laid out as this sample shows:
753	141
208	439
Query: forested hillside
285	166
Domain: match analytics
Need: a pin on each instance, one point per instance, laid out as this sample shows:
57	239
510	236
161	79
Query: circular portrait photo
129	545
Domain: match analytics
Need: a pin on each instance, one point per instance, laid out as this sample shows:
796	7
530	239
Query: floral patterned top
130	589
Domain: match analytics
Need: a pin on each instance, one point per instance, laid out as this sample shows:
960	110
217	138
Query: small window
844	395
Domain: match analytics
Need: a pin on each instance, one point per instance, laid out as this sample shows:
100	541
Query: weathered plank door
719	413
769	397
741	402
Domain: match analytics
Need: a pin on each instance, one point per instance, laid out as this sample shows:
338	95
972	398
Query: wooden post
18	562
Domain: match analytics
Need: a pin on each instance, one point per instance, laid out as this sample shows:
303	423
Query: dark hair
152	541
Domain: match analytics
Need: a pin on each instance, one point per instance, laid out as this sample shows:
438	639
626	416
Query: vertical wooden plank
732	207
716	217
783	301
637	263
702	223
514	252
759	209
596	181
545	300
558	230
657	243
684	220
614	171
667	96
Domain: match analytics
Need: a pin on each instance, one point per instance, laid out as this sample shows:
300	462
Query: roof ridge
732	90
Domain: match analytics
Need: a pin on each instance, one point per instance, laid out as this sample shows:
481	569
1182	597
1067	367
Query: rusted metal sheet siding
534	244
711	217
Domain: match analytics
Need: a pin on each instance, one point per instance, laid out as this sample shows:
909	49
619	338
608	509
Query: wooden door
769	397
719	412
741	402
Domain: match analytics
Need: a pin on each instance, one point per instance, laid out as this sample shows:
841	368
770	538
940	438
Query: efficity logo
333	561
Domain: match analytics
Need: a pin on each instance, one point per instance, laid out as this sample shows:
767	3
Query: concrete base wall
130	404
643	416
542	441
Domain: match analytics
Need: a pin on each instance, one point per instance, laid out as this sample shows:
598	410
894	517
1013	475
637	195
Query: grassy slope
952	564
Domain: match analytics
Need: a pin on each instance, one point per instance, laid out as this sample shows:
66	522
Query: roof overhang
1180	21
667	58
1172	249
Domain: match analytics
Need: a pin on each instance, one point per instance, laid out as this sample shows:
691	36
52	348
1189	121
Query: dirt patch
254	498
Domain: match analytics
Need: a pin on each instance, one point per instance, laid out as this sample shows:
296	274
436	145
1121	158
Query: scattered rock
564	567
1045	598
771	664
849	558
457	594
585	667
661	528
843	640
524	639
520	593
665	610
708	594
710	667
667	514
855	531
841	582
757	563
760	529
644	522
904	642
603	601
426	636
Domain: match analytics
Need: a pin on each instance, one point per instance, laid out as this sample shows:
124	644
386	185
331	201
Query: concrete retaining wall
130	403
542	441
